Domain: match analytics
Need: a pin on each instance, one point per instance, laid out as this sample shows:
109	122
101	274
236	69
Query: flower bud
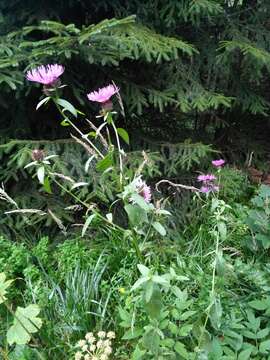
38	155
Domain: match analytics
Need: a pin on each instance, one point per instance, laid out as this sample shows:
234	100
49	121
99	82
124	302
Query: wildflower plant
97	347
104	146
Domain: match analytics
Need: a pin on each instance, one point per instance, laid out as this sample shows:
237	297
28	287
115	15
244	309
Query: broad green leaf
47	185
143	270
23	352
67	106
26	322
151	341
185	330
132	334
262	333
138	354
87	223
149	291
260	304
139	283
181	350
159	228
105	163
265	347
222	229
137	216
4	284
123	134
154	306
245	354
139	200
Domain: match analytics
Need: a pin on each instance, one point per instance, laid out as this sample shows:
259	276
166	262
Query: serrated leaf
265	347
185	330
26	323
181	350
245	354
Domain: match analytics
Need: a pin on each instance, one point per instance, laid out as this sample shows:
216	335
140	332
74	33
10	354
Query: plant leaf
123	134
24	325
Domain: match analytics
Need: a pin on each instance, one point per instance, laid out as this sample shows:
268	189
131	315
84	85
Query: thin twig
186	187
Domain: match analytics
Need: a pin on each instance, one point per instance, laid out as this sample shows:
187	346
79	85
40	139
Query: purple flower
104	94
206	178
144	190
208	188
46	75
218	163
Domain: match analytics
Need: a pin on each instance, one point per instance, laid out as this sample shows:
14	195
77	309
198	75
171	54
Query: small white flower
111	335
81	343
101	334
87	357
92	348
107	342
85	348
89	335
103	357
108	350
100	344
78	355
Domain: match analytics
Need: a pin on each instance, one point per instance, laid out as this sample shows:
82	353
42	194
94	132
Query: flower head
81	343
78	355
104	94
144	190
210	187
111	335
206	178
218	163
101	334
45	74
38	155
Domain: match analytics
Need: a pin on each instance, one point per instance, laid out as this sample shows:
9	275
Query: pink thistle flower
218	163
144	190
46	75
206	178
210	187
104	94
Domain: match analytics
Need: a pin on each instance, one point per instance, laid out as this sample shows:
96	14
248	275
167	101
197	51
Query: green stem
212	291
137	249
84	136
119	152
